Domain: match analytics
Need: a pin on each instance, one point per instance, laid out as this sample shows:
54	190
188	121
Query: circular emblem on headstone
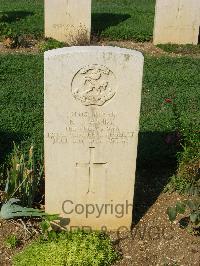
94	85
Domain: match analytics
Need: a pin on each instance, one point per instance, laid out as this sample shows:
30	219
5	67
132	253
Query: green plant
48	232
189	158
177	183
194	211
12	241
10	210
76	248
187	178
10	38
23	176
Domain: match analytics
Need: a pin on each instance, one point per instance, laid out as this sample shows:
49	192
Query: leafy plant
189	160
69	248
23	177
10	210
193	206
48	233
12	241
11	39
187	177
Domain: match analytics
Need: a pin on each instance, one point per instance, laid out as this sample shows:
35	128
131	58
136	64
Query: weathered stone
177	21
92	107
68	20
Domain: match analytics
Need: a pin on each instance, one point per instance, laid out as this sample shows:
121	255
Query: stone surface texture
177	21
92	108
68	20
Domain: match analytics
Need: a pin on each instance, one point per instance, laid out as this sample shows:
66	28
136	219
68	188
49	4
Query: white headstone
92	108
177	21
68	20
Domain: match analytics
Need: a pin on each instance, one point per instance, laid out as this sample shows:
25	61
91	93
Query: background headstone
92	107
177	21
68	20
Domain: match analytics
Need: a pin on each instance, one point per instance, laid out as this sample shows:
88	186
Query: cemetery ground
168	150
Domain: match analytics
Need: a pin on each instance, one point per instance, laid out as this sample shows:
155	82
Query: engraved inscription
94	85
91	128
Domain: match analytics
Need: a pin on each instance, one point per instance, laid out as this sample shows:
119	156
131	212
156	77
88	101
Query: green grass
11	242
49	44
72	249
22	17
187	49
113	19
177	79
127	19
21	103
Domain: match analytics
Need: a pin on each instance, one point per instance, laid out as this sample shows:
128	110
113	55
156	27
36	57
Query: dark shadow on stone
60	224
199	36
102	21
156	163
12	16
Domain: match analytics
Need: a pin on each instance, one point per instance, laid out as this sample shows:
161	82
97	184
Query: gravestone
92	108
177	21
68	20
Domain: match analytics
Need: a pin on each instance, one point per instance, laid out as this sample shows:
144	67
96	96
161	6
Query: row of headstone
92	107
176	21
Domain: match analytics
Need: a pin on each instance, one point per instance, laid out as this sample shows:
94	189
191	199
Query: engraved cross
91	166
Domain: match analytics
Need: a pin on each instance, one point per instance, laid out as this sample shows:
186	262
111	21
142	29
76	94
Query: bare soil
146	48
30	49
155	241
25	231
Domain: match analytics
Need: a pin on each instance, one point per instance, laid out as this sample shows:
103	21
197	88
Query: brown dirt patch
24	233
7	229
147	48
31	49
155	241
